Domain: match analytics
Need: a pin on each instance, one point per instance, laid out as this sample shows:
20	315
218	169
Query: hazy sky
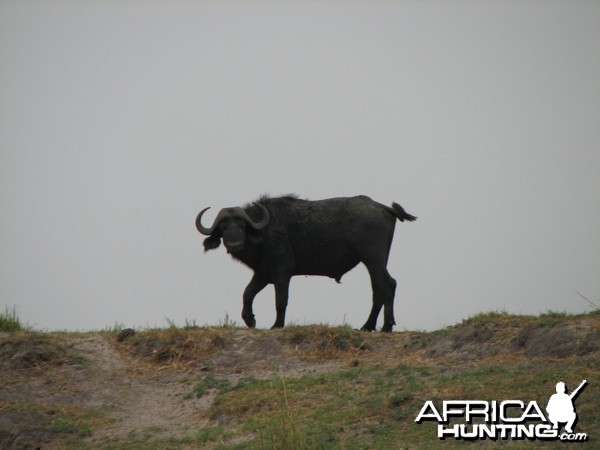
120	120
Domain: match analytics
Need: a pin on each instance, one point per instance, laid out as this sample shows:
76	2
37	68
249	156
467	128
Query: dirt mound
175	344
483	336
30	350
579	338
237	350
494	335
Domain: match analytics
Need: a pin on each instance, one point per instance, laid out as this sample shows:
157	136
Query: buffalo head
231	225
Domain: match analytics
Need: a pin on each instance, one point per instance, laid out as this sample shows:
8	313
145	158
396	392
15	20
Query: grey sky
119	121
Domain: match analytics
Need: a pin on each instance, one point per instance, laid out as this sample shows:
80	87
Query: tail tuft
402	215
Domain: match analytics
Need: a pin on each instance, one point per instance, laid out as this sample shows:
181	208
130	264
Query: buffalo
280	237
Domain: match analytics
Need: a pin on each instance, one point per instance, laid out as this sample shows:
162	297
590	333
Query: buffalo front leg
254	287
371	322
281	300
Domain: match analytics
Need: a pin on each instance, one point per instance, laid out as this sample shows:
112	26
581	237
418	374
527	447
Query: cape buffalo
286	236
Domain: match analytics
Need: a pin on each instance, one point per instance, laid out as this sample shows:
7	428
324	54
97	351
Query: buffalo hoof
276	326
368	329
387	328
250	323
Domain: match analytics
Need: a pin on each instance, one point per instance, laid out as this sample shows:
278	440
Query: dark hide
325	237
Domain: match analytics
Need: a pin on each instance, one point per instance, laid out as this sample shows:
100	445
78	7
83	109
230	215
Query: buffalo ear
212	242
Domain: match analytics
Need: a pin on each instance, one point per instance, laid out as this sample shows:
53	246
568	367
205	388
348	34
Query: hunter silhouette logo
508	419
560	406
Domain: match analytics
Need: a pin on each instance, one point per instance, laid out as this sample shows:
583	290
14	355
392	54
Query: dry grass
32	351
324	342
175	347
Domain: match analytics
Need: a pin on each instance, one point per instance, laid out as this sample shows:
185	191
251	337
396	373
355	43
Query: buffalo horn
208	231
256	225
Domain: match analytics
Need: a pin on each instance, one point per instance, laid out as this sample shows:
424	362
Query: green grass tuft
9	321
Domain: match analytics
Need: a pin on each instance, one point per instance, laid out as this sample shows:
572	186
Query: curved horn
256	225
208	231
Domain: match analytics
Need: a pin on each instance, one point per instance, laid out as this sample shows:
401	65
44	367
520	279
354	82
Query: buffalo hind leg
384	290
282	288
254	287
388	307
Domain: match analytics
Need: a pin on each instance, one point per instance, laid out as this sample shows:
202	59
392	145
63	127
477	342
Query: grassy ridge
369	400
